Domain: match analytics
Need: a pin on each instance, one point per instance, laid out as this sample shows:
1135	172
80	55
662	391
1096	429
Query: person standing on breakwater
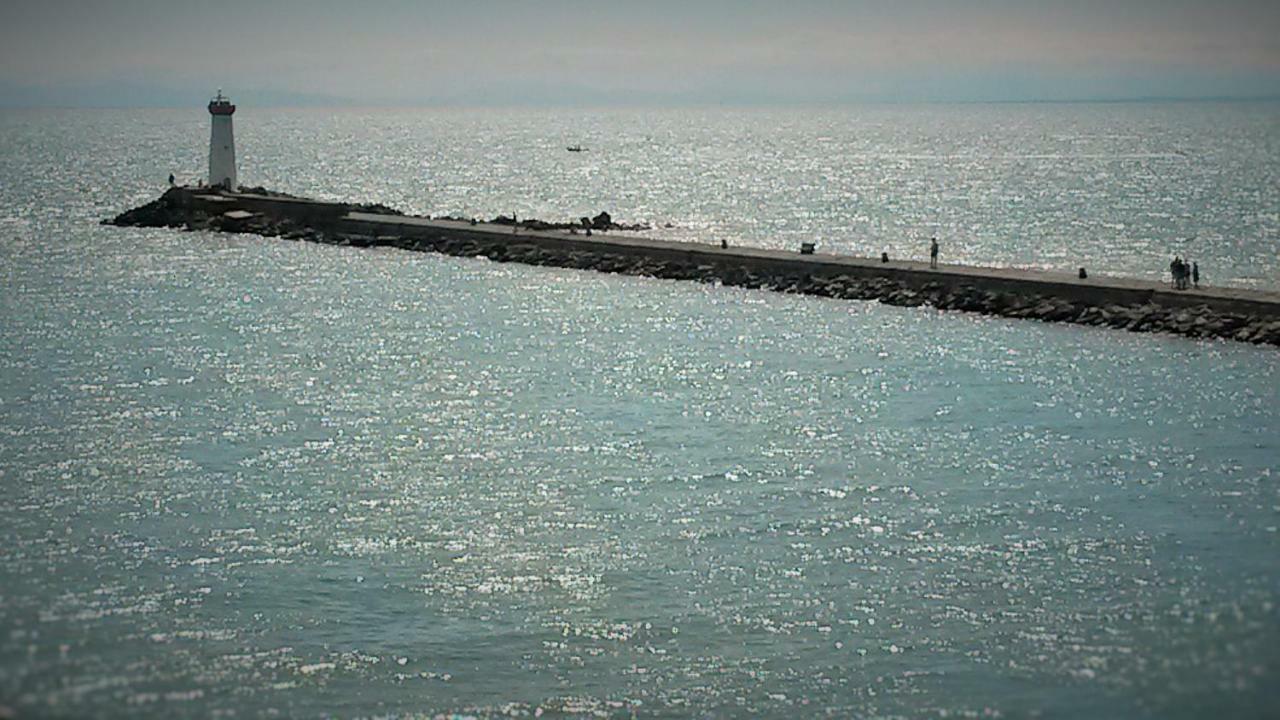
1195	275
515	223
933	252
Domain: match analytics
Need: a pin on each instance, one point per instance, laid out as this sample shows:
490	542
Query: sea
244	477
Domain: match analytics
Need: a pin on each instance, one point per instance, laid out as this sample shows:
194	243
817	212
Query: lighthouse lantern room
222	144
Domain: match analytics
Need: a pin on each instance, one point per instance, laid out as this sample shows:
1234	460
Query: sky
642	52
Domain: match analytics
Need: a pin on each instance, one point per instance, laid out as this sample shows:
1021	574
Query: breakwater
1228	313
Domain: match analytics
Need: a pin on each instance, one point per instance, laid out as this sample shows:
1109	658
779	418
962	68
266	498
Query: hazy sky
510	52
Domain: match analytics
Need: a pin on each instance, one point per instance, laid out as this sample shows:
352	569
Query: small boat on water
575	148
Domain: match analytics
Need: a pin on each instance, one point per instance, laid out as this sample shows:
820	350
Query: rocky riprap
173	210
602	222
1198	322
165	211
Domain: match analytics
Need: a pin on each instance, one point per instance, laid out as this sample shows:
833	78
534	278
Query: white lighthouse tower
222	144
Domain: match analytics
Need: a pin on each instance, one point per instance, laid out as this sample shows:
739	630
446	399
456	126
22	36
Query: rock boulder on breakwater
174	209
164	211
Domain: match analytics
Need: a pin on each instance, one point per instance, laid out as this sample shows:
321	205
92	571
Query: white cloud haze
557	52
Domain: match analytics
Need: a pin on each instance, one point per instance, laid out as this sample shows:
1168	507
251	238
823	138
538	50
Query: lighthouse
222	144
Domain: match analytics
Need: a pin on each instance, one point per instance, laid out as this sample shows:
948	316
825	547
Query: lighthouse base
222	153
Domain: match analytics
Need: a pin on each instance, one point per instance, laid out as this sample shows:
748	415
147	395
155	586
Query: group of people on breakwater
1185	274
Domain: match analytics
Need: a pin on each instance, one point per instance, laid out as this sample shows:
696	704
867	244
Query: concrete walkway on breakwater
1095	289
1099	300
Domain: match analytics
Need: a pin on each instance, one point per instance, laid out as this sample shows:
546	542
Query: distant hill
138	95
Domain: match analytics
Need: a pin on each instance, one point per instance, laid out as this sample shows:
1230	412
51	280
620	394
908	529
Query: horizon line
344	104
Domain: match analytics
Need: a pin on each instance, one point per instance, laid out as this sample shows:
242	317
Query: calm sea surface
244	477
